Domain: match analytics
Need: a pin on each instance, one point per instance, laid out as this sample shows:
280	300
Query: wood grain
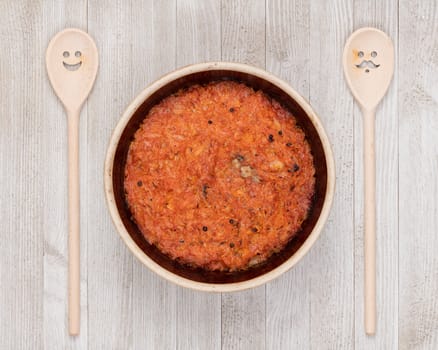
198	40
378	14
288	57
318	304
332	257
198	31
418	169
243	319
152	55
109	261
243	32
22	176
243	40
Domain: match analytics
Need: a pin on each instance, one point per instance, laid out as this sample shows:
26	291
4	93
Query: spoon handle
370	221
73	224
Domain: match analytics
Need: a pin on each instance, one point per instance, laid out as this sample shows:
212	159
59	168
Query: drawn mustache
369	64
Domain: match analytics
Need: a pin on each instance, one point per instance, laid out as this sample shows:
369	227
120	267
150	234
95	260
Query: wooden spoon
72	62
369	66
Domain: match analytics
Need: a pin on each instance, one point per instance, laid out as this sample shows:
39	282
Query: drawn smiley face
72	66
367	64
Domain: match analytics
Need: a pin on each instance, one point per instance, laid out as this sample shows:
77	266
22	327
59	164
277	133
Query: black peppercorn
294	169
204	228
204	190
240	158
231	245
271	138
139	183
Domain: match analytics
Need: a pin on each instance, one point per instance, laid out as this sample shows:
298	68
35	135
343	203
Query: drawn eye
66	54
373	54
360	54
78	54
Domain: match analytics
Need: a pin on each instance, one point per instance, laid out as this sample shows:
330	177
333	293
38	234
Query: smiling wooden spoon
369	66
72	62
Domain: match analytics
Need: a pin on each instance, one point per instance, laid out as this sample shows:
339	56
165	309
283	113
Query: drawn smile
367	64
72	67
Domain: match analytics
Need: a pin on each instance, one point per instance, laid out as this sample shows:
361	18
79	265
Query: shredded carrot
219	176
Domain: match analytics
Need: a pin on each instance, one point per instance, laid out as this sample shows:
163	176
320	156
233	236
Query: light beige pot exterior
217	287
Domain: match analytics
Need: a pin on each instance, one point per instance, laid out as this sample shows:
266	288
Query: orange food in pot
219	176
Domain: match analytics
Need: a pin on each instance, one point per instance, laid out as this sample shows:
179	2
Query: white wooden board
318	304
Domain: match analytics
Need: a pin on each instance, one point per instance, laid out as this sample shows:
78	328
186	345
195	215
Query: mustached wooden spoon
72	62
369	66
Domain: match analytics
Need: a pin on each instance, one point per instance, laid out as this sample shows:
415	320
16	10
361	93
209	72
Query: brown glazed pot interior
199	274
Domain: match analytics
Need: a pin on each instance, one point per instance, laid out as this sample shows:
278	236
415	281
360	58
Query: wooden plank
243	40
109	261
379	14
418	169
57	16
243	319
22	175
287	56
198	40
153	54
332	257
243	31
198	31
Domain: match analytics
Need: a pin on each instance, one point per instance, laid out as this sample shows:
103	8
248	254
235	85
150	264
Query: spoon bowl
72	62
368	65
